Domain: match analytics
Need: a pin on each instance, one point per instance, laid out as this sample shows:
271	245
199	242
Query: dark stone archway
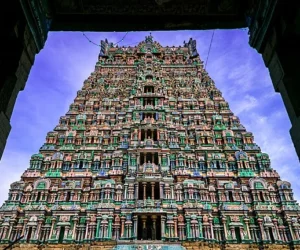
274	29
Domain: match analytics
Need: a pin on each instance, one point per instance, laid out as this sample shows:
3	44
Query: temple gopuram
149	156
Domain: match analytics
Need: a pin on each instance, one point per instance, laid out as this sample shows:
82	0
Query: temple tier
150	151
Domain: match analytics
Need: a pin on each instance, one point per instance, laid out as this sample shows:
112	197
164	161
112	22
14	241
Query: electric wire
122	38
99	44
212	37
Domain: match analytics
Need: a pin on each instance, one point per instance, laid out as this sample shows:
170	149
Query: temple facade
149	156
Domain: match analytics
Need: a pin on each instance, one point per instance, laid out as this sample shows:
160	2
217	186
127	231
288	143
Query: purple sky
68	58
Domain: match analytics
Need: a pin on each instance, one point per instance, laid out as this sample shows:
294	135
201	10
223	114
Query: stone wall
95	246
211	246
188	245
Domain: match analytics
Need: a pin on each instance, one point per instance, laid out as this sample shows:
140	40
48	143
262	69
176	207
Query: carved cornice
147	7
38	20
260	23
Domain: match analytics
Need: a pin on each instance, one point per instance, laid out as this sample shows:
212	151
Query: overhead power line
99	44
212	37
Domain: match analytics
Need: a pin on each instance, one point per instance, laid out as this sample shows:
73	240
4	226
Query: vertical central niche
149	190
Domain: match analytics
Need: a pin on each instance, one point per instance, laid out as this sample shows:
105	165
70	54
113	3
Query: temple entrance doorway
271	235
149	227
29	234
61	235
238	234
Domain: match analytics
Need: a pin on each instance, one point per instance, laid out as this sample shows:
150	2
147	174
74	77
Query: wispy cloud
247	103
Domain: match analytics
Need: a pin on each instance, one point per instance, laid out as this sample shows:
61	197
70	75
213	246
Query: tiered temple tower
150	153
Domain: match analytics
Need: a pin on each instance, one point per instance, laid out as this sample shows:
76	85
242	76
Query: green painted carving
41	185
143	49
258	185
53	173
216	220
246	173
82	220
